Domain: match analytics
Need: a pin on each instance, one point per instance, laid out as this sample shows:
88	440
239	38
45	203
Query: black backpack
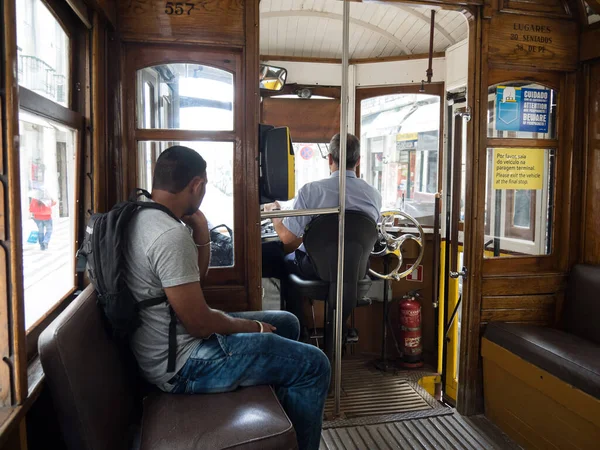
102	254
221	248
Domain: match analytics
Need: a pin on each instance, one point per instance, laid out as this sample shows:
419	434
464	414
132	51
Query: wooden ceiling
313	29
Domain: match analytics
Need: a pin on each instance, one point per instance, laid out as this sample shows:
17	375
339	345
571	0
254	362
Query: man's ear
330	159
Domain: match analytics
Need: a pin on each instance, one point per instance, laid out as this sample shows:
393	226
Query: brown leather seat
93	396
573	355
572	359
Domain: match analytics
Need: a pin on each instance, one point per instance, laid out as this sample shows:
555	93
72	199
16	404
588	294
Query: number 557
178	8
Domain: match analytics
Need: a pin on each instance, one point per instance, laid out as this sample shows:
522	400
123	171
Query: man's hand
199	225
196	221
268	207
267	328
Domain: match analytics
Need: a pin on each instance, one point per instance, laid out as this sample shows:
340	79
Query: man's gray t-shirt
160	253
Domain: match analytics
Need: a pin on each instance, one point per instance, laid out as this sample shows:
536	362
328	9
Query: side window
521	160
400	151
183	97
48	159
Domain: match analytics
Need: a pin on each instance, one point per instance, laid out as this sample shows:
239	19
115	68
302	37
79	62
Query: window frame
140	56
74	117
562	154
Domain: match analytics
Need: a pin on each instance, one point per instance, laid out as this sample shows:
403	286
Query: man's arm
199	226
200	320
173	259
285	235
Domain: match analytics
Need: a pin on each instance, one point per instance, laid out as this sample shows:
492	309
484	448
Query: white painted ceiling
313	29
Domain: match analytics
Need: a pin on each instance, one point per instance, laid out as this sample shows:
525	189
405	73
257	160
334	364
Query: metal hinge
463	273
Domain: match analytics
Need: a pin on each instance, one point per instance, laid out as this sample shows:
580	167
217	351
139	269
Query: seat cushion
570	358
249	418
319	289
582	303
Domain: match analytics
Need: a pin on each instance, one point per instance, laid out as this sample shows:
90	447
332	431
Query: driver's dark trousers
276	264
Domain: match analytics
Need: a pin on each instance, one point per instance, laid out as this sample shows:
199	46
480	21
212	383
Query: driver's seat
321	243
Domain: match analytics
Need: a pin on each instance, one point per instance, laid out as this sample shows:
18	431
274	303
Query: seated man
215	352
360	196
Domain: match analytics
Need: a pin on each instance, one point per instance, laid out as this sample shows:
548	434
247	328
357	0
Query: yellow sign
407	137
519	168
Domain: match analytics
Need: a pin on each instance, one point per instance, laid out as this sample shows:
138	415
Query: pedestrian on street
41	210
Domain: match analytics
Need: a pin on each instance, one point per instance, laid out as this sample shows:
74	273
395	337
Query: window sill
11	416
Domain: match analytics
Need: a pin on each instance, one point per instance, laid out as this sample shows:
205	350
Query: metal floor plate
370	396
451	432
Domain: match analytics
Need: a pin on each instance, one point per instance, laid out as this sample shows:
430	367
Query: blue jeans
44	230
298	372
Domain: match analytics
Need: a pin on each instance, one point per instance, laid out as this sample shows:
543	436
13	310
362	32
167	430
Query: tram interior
478	124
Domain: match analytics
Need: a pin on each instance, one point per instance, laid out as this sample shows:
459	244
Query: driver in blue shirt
360	196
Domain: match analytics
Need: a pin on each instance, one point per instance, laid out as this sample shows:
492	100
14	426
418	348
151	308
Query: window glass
311	163
522	110
47	158
217	205
400	150
519	201
185	96
592	15
43	52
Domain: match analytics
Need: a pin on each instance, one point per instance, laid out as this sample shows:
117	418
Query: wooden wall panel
212	22
107	8
526	308
591	210
309	120
533	42
523	285
557	8
589	48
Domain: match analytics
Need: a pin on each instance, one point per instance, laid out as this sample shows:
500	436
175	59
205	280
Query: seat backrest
321	242
91	388
582	303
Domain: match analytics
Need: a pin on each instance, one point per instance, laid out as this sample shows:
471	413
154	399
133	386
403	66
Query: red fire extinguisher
410	331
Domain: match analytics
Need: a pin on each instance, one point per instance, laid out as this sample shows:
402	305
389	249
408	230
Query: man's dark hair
352	150
176	167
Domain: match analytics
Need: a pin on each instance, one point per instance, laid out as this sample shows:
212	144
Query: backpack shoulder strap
172	328
133	198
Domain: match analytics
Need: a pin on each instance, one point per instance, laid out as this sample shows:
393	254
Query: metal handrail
341	215
298	212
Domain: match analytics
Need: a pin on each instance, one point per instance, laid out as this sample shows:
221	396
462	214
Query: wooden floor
452	432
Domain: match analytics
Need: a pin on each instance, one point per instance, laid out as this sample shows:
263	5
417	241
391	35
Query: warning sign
519	168
417	275
522	109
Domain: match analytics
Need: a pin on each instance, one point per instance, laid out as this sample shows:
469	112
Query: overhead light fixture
304	93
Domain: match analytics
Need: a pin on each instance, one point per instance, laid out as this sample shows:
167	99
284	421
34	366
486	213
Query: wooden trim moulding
36	104
14	331
588	45
265	58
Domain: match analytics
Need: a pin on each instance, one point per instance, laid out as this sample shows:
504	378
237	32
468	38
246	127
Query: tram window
521	110
185	96
592	16
218	203
399	151
43	52
311	163
48	184
519	201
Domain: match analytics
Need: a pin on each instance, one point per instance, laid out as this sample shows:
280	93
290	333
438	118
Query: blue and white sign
522	109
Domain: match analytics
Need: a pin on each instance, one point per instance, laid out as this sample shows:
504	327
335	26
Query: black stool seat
321	243
319	289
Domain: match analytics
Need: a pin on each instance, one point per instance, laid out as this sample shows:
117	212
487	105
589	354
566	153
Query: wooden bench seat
542	385
93	394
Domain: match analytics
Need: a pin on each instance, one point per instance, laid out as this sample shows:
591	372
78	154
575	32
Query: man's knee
294	325
319	361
